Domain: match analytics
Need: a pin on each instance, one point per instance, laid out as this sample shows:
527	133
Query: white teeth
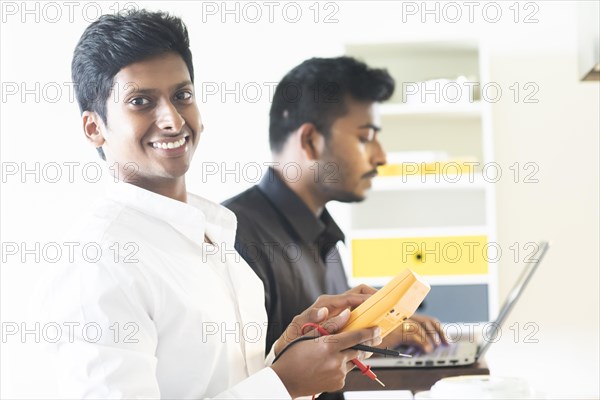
170	145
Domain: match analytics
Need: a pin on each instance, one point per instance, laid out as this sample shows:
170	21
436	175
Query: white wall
559	133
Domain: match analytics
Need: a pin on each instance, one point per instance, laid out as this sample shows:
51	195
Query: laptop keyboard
442	351
410	350
445	351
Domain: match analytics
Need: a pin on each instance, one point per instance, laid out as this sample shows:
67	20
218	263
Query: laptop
463	352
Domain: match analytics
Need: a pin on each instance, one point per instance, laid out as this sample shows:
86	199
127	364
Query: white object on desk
379	395
478	387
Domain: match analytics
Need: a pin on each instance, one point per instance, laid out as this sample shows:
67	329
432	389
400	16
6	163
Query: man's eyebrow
138	90
183	84
370	126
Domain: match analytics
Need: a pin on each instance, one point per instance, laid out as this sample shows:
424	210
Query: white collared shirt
155	311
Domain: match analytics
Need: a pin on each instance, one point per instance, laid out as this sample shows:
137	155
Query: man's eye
184	95
139	101
363	139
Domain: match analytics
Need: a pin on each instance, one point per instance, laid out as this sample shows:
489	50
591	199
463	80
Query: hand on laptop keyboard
420	331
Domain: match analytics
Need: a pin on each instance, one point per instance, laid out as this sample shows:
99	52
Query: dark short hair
316	91
115	41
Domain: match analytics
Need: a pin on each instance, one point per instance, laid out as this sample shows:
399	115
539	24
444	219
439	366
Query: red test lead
364	369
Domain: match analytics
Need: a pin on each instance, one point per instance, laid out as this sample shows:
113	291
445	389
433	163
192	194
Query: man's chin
350	197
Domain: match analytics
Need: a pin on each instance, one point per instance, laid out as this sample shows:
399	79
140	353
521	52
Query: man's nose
378	157
168	118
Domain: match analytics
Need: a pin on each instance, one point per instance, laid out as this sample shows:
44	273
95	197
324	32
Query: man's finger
337	303
351	354
336	323
345	340
432	333
363	289
440	331
415	333
433	323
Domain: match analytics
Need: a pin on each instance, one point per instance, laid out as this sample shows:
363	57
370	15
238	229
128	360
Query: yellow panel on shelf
451	168
454	255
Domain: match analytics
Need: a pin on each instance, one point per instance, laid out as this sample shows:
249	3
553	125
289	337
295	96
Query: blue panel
457	303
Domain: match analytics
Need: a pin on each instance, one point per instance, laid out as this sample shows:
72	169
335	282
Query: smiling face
153	124
352	154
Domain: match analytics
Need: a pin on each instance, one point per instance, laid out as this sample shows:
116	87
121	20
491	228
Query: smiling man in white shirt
165	307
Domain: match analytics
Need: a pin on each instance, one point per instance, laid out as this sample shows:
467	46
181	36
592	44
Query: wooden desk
413	379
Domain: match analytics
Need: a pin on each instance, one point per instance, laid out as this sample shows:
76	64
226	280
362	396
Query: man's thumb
320	315
317	315
337	322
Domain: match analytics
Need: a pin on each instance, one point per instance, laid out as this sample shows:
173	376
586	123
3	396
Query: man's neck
303	189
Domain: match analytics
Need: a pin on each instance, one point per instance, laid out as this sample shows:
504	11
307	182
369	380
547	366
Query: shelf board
420	45
454	110
415	232
433	280
414	182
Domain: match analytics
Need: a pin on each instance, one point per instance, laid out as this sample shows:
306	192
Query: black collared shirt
292	251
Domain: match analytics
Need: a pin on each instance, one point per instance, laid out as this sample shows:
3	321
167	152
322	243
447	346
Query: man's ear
92	127
312	141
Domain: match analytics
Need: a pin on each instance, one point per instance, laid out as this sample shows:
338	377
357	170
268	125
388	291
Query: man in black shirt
324	140
290	248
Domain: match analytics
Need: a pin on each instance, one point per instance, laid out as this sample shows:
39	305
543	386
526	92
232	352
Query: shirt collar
194	219
305	223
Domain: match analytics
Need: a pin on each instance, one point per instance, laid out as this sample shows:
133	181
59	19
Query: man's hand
321	364
422	331
325	307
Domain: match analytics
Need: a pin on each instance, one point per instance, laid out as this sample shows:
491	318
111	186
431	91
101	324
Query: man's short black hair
115	41
316	90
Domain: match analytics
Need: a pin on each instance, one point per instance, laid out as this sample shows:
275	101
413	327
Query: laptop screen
514	295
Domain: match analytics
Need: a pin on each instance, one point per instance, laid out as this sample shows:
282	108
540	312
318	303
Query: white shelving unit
472	110
422	207
428	182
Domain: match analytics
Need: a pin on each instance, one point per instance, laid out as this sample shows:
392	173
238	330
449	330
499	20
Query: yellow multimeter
391	305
